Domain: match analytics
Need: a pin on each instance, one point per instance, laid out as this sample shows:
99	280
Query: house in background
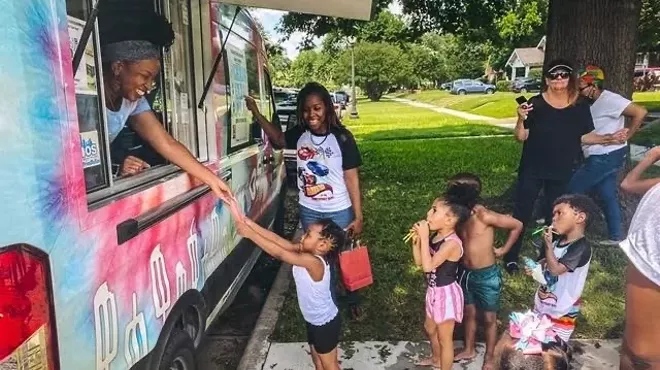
522	60
646	60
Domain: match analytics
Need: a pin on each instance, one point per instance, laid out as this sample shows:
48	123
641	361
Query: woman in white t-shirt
642	246
327	163
132	38
602	162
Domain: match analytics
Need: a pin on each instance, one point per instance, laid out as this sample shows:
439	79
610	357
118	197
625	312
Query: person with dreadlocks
603	162
327	164
311	259
132	38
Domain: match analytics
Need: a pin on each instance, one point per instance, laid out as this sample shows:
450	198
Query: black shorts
324	338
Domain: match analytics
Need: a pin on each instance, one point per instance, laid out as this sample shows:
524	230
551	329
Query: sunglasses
557	75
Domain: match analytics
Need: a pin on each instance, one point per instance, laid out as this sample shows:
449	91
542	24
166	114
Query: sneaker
511	268
610	242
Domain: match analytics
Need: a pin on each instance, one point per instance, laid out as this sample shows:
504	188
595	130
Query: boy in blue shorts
481	279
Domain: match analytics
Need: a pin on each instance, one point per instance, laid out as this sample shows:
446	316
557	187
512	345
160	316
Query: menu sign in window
238	83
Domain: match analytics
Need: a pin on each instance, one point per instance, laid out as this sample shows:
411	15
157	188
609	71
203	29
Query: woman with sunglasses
552	127
132	37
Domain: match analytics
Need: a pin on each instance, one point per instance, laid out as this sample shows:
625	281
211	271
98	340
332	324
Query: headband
130	50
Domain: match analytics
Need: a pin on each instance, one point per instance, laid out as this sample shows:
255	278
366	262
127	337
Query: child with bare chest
481	279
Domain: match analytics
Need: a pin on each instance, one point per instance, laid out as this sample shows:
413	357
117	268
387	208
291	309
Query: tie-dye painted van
110	273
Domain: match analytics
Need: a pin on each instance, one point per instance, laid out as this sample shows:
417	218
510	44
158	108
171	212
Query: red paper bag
355	267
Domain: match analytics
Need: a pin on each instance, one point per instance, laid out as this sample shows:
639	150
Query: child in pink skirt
438	250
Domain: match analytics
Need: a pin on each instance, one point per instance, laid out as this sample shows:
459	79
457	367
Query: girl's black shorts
324	338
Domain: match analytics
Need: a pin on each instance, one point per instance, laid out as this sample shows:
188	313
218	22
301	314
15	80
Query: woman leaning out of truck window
131	45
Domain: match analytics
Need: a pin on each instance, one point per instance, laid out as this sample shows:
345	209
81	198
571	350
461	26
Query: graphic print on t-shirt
561	295
321	162
314	172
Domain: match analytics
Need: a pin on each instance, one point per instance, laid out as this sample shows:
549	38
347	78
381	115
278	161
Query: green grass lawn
394	121
648	136
400	179
650	100
500	104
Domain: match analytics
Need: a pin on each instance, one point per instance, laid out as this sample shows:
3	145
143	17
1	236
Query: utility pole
354	112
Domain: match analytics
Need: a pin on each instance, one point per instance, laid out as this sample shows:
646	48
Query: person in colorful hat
602	162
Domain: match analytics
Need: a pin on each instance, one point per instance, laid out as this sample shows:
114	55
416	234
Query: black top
350	153
444	274
578	254
553	148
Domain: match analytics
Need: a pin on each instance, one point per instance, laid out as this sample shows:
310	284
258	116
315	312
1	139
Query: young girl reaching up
437	249
311	260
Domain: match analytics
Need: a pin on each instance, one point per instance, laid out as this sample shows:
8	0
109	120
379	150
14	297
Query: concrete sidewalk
509	123
588	354
262	353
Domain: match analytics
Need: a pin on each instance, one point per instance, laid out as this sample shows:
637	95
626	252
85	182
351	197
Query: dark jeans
342	218
527	192
599	172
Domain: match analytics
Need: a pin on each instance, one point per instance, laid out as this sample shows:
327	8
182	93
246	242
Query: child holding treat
566	263
481	280
311	259
538	339
437	249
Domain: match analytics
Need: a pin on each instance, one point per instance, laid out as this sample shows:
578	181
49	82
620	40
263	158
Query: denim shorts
342	218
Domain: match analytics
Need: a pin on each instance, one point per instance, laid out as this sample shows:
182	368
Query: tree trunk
599	32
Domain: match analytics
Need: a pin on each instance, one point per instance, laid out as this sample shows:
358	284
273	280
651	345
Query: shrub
503	85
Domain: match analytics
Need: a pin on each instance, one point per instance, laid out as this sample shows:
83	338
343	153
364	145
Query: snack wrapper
530	331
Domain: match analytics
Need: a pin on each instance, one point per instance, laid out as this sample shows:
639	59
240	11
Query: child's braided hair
334	235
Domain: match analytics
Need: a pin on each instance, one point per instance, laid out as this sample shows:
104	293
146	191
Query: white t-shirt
117	120
607	112
321	162
561	296
642	246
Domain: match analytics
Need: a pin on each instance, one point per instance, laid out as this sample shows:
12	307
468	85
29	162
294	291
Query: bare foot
488	364
464	354
428	362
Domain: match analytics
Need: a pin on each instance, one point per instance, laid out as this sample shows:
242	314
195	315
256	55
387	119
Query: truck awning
354	9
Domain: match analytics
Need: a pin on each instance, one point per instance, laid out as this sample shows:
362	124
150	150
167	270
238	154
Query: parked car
342	98
526	84
465	86
285	105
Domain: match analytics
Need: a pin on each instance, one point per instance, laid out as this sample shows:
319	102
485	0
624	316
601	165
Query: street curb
258	345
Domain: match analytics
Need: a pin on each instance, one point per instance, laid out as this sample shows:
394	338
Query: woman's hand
355	227
132	165
222	191
621	136
524	109
251	104
422	229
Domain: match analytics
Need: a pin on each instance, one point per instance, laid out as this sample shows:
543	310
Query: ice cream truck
110	272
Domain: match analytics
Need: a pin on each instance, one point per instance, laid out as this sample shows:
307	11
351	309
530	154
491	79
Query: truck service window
88	100
171	98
